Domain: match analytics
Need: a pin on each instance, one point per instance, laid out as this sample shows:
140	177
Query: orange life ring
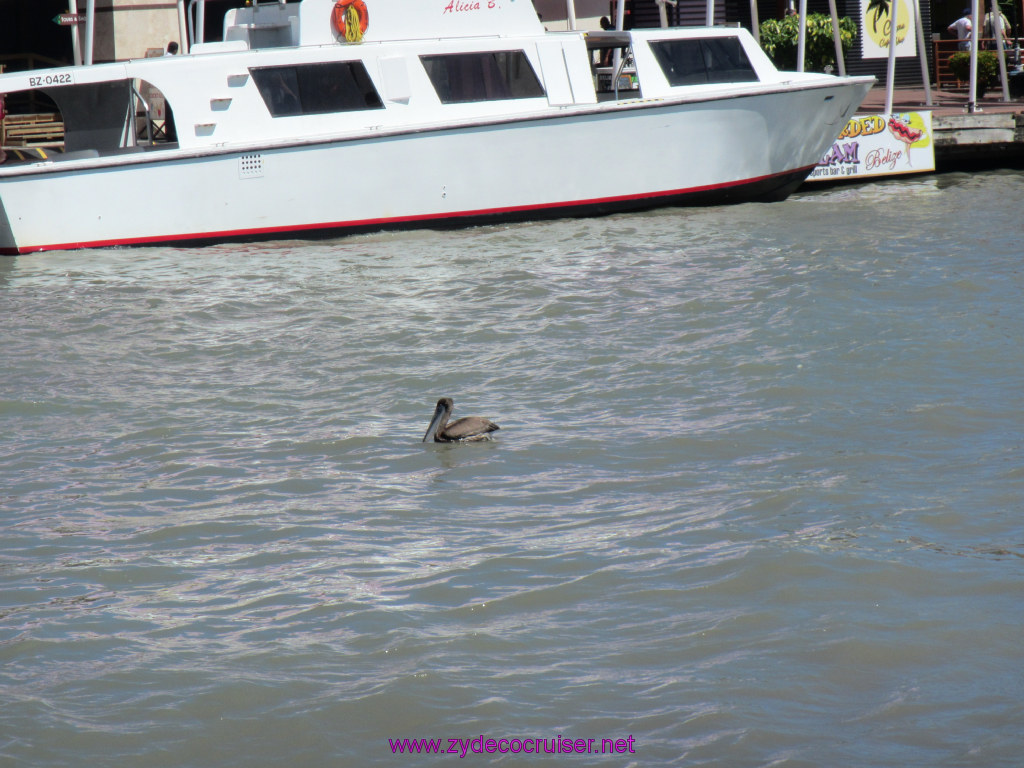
351	19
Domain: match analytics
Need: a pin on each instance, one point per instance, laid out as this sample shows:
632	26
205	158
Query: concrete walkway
944	103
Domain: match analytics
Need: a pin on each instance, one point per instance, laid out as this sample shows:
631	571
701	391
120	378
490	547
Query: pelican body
465	430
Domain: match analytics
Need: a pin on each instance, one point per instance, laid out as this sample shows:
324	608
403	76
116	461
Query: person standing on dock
962	29
995	26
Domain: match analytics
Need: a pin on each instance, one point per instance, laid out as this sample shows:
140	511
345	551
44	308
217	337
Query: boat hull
640	155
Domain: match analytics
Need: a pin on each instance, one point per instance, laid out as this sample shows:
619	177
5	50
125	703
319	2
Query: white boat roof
312	20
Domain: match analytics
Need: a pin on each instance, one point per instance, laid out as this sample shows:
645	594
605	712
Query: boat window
316	89
489	76
707	60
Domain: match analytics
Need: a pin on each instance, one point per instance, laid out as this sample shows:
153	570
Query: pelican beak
434	421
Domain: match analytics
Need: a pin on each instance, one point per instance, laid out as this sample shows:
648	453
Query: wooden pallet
38	130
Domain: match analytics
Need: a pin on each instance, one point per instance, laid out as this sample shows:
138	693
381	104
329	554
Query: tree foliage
779	40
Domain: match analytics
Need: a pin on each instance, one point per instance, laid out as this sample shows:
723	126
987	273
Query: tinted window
711	60
482	76
316	89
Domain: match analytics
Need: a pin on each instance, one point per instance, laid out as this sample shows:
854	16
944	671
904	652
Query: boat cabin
295	72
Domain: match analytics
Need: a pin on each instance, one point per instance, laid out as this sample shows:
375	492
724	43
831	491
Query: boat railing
614	50
147	112
623	62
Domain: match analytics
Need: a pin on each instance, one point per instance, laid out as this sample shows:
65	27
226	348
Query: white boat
319	117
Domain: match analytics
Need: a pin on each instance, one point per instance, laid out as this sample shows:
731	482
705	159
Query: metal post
570	13
972	87
840	62
182	28
997	25
201	22
76	40
922	54
801	38
890	72
90	29
754	22
711	13
620	23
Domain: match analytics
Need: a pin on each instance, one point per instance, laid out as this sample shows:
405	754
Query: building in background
124	29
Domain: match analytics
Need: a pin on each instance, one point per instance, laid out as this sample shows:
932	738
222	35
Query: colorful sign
880	145
876	27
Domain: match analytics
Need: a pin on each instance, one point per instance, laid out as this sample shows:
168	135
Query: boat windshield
95	114
695	61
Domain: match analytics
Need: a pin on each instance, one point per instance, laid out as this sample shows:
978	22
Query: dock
992	136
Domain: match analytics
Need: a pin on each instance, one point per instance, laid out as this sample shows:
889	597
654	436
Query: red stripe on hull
725	192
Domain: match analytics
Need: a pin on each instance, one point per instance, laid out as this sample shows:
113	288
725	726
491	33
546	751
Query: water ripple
754	499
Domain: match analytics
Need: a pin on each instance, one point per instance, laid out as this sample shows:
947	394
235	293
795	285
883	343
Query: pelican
466	429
